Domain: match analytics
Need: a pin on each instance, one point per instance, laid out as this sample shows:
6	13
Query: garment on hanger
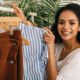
11	57
7	23
35	55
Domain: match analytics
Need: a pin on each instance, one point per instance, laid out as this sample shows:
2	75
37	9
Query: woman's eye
71	23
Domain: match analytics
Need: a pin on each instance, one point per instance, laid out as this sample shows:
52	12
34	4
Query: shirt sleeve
44	50
44	55
71	69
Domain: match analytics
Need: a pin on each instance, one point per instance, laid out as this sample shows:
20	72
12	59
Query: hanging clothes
11	57
36	54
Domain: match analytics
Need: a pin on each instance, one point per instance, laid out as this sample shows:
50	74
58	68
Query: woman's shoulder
76	54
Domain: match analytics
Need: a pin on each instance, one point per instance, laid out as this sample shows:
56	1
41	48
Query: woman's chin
66	38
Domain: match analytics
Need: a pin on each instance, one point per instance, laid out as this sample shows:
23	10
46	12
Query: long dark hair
75	8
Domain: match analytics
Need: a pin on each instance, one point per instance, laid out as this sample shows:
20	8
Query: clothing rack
7	22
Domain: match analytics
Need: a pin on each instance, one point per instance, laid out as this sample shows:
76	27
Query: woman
64	56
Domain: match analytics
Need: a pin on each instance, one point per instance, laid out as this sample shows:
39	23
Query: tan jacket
11	58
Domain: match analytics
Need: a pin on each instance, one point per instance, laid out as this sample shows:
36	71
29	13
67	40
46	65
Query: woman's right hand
19	13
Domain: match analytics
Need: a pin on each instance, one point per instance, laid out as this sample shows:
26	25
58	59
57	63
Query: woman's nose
66	26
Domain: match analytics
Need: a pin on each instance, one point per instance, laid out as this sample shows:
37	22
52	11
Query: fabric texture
36	54
69	67
11	57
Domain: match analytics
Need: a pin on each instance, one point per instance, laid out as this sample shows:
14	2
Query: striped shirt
35	55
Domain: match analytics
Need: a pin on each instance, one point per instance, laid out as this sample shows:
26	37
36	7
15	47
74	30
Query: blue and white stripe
35	55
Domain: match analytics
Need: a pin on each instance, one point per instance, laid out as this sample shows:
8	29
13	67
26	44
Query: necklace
66	52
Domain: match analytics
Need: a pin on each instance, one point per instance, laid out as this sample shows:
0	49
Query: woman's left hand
49	37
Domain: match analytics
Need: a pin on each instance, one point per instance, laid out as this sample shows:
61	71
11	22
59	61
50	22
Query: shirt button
11	62
14	44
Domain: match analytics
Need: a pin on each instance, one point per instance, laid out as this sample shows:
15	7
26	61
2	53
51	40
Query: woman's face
68	25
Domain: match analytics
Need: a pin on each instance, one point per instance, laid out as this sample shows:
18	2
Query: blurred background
40	12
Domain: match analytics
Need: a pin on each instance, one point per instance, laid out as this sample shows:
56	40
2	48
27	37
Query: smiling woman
68	25
64	55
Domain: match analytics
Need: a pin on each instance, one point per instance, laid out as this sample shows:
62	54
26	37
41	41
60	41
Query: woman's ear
79	29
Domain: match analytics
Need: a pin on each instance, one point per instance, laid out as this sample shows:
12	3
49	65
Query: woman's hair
75	8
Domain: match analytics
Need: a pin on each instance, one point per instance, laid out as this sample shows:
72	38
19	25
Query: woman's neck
71	44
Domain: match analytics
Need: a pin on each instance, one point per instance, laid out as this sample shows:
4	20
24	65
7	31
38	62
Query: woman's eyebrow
72	20
61	20
68	20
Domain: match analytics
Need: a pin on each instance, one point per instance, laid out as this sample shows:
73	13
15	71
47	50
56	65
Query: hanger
6	22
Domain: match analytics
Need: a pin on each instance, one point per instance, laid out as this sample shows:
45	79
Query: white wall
64	2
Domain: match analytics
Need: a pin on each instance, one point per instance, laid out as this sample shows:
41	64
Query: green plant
45	10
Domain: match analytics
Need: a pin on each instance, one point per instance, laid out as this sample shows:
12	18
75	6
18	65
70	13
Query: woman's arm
19	13
51	67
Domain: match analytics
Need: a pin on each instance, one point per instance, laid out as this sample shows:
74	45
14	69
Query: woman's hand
19	13
49	38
